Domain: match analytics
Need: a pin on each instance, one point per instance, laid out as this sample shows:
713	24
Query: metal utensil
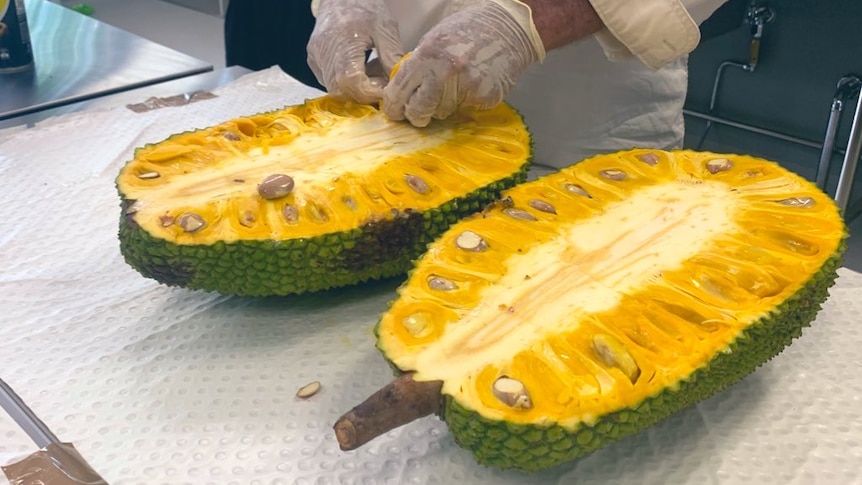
55	463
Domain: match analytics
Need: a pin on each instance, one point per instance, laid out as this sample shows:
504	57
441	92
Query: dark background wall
805	50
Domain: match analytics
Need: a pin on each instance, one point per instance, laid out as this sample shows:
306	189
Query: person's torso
577	103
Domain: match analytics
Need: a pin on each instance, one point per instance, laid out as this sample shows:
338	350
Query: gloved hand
344	31
473	57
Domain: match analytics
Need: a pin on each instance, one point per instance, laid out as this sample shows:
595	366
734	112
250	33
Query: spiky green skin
378	249
530	447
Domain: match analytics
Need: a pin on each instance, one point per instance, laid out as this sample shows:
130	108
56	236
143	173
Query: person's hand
471	58
344	31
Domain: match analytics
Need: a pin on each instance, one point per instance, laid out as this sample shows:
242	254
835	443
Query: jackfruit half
311	197
589	304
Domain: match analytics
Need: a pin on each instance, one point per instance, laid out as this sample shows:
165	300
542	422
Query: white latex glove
344	31
471	58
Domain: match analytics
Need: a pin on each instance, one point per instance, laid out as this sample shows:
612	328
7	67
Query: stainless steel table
79	58
197	82
162	385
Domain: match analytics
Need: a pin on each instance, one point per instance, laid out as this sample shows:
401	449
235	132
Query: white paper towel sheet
158	385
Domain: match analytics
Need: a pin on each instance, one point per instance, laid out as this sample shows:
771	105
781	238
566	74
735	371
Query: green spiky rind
375	250
528	447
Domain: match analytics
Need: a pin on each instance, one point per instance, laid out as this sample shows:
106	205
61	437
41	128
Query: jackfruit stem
398	403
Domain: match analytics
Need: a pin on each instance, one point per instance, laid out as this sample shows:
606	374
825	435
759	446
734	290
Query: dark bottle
16	53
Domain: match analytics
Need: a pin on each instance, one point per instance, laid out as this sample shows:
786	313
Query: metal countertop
198	82
155	384
79	58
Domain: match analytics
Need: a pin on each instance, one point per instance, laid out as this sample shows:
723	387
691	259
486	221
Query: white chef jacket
578	102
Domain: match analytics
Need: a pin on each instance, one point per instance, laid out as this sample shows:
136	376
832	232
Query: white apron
577	103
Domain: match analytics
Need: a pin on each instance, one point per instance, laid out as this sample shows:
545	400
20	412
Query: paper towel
157	385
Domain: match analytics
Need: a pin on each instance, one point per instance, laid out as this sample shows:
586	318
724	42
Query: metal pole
851	159
829	143
719	73
753	129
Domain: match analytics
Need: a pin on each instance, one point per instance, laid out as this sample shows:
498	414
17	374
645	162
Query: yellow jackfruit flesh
311	197
591	303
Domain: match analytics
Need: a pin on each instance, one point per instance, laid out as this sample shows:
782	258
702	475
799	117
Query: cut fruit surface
609	295
313	196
